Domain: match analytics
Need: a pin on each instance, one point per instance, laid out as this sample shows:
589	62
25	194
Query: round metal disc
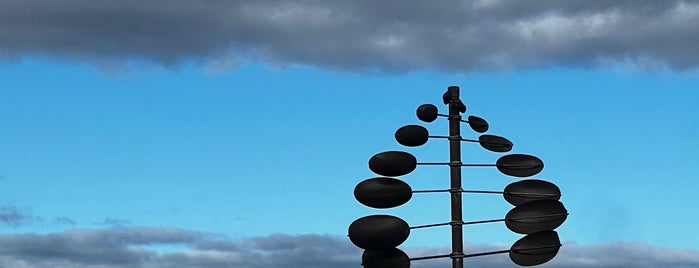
495	143
523	191
392	258
536	248
383	192
536	216
378	232
392	163
427	112
520	165
412	135
477	124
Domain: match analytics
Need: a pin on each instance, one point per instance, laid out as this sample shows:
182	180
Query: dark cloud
391	36
153	248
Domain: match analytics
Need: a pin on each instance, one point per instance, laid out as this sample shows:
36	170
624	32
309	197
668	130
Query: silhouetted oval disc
412	135
519	165
383	192
378	232
392	163
535	216
536	248
477	124
495	143
427	112
523	191
391	258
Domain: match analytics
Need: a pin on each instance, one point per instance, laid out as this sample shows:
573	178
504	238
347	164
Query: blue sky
260	146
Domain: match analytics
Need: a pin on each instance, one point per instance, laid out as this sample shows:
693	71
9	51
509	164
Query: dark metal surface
520	165
392	163
495	143
477	124
451	97
427	113
383	192
412	135
536	248
391	258
536	216
378	232
523	191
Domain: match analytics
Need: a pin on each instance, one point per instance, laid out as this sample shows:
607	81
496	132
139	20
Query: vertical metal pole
457	245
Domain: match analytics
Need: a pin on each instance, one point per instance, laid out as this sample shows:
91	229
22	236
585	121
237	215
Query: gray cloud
114	222
153	247
392	36
12	216
64	221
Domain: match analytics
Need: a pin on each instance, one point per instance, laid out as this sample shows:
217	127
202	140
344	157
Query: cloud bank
162	247
390	36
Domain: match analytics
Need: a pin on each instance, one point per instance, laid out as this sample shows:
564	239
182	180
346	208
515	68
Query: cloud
137	247
114	222
388	36
64	221
11	216
15	217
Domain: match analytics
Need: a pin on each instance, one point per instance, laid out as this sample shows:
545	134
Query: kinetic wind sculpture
536	214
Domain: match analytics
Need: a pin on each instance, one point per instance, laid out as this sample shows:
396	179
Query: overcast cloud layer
393	36
178	248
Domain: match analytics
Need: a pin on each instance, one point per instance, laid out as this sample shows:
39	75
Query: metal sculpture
536	214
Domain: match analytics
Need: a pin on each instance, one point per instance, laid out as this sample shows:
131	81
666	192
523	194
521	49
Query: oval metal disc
392	163
412	135
523	191
536	248
536	216
477	124
427	112
383	192
520	165
392	258
495	143
378	232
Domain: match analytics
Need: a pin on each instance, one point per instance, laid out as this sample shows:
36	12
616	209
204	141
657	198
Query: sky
187	133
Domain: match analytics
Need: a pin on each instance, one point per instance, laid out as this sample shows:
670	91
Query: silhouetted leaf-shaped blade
378	232
535	216
391	258
523	191
477	124
520	165
383	192
412	135
536	248
392	163
427	112
495	143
